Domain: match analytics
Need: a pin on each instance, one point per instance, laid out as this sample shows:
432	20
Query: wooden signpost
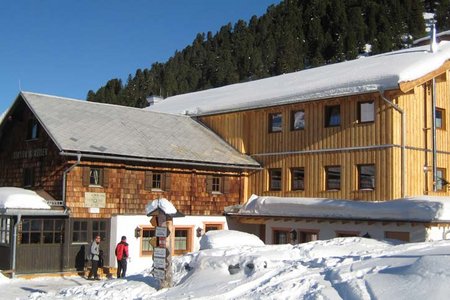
162	258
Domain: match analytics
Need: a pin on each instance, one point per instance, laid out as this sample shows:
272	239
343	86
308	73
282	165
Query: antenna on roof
20	86
433	42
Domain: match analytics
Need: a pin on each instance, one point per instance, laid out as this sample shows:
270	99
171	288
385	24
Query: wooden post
165	221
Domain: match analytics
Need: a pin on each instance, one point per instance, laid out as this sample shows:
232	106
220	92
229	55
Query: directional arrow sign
162	232
160	252
159	263
160	274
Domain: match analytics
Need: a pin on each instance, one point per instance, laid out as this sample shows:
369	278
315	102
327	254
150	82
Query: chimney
433	42
152	100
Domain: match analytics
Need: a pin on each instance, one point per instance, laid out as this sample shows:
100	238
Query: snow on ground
341	268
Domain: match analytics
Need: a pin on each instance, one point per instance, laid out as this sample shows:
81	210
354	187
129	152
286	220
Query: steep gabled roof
103	129
368	74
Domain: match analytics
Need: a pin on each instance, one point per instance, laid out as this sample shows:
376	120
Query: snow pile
228	238
17	198
420	208
364	75
341	268
162	204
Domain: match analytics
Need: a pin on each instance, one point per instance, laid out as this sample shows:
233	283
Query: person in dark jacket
122	255
95	257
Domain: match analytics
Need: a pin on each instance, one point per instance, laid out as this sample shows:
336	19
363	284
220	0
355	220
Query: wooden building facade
88	189
357	158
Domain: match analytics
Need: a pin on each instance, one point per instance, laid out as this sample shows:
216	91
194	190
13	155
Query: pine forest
290	36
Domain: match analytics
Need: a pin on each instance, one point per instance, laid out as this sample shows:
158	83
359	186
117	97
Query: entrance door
82	233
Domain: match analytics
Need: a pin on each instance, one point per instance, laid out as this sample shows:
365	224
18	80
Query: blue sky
66	48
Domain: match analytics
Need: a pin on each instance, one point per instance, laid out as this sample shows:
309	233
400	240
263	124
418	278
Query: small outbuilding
278	220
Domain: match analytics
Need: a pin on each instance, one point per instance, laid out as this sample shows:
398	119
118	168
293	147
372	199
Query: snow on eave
415	209
163	205
364	75
18	198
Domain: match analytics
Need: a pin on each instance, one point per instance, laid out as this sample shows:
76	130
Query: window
332	116
440	118
80	232
99	228
366	112
297	179
158	181
213	226
308	236
333	178
148	241
28	177
366	177
397	235
33	129
42	231
216	184
5	229
182	240
275	122
298	120
347	233
53	231
440	179
95	176
275	179
281	236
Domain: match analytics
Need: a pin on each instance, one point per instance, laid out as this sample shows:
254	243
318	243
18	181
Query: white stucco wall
126	225
328	230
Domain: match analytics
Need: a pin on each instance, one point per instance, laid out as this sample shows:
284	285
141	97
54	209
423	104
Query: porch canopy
18	201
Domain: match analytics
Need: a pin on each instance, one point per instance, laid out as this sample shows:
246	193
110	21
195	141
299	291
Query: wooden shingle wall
18	153
126	193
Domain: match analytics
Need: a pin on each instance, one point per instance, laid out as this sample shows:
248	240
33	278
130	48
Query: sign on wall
94	199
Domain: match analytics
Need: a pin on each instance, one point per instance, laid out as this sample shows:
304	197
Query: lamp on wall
199	231
137	232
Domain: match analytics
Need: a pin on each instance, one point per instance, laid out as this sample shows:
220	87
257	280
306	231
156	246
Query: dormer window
33	129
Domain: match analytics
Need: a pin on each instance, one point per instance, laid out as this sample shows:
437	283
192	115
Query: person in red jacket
122	255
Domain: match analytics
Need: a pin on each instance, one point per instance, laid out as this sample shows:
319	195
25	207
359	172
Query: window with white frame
366	112
298	120
5	229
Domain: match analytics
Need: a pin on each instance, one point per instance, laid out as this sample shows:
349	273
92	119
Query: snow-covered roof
162	204
419	208
18	198
367	74
78	126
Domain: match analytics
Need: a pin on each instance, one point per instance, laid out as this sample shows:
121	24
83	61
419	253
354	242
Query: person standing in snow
122	255
95	257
